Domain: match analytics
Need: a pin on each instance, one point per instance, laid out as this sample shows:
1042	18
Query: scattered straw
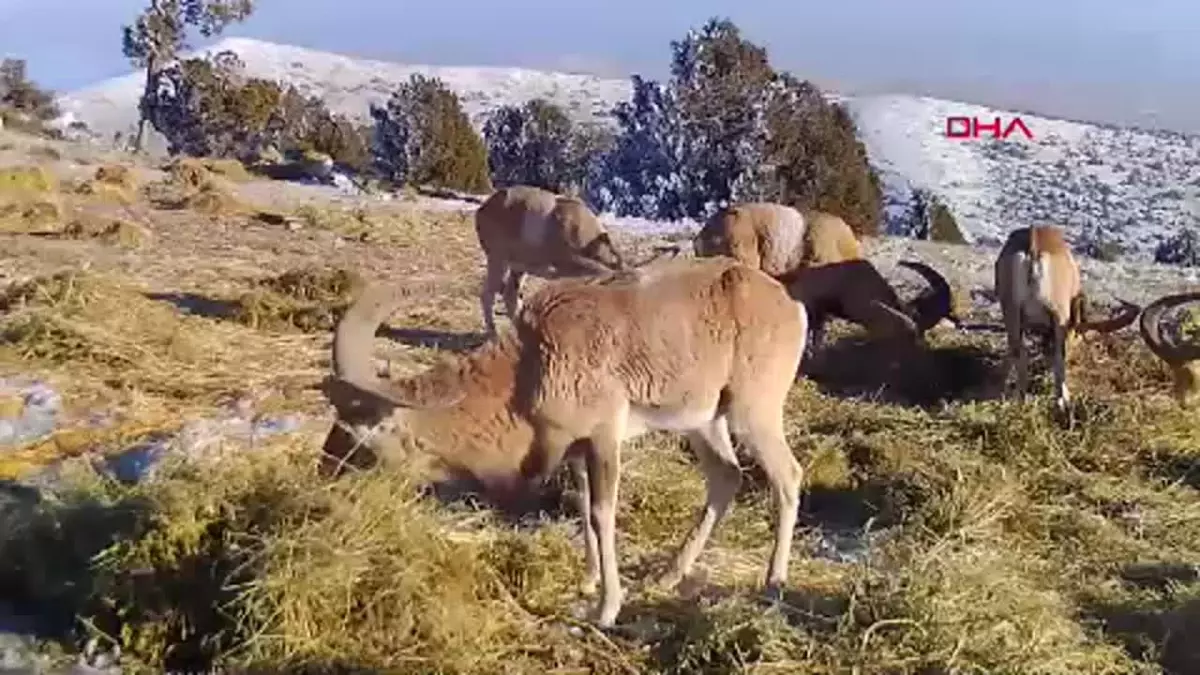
308	299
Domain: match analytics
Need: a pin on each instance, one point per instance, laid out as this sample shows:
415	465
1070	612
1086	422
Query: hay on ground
113	231
27	179
308	299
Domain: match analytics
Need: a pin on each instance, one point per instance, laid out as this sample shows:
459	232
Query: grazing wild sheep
1039	289
527	230
1183	360
702	347
776	238
855	291
779	240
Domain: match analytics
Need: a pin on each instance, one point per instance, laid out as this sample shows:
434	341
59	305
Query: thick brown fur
1040	290
1182	360
701	347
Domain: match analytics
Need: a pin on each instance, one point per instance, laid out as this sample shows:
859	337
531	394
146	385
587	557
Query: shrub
23	105
726	127
932	220
209	108
1182	249
423	137
1094	244
537	144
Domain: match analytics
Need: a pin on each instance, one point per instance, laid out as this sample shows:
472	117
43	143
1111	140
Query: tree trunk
141	129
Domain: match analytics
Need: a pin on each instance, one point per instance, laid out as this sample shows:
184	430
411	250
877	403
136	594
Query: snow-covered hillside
1133	185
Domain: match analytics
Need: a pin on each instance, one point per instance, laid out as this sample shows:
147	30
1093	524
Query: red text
973	127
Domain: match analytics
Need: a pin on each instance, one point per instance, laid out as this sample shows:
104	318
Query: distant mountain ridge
1134	186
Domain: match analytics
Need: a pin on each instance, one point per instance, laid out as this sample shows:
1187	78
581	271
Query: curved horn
354	375
1125	317
899	322
1151	329
934	305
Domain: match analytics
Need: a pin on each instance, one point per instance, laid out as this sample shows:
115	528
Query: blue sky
1104	59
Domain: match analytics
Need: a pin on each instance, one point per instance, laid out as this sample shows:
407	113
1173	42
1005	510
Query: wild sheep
703	347
1183	360
527	230
855	291
776	238
779	240
1039	288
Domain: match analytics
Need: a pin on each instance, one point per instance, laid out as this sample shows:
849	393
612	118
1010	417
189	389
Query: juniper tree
160	33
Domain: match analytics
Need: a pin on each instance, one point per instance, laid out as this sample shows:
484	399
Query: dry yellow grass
1009	541
114	182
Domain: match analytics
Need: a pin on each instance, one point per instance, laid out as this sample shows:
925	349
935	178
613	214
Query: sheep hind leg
1058	354
591	545
493	283
603	462
766	439
714	451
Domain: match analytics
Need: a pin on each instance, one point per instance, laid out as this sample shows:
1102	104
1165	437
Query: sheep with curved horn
1183	360
1040	290
817	256
855	291
702	347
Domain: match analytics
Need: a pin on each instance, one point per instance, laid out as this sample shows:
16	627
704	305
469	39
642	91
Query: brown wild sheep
776	238
702	347
527	230
779	240
855	291
1183	360
1039	288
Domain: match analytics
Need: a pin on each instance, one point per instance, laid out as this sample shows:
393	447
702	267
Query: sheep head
369	408
1183	360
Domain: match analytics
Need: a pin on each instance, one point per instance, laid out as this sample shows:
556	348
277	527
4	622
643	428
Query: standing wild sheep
527	230
1039	289
703	347
1183	360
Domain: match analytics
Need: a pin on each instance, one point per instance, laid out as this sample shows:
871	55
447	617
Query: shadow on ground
198	305
855	366
46	553
228	310
433	339
1161	623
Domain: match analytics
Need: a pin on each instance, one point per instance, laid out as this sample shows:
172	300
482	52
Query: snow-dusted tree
533	144
723	84
642	174
393	139
818	159
422	136
159	34
930	219
1181	249
1093	243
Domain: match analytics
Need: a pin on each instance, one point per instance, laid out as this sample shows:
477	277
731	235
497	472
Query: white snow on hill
1134	186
